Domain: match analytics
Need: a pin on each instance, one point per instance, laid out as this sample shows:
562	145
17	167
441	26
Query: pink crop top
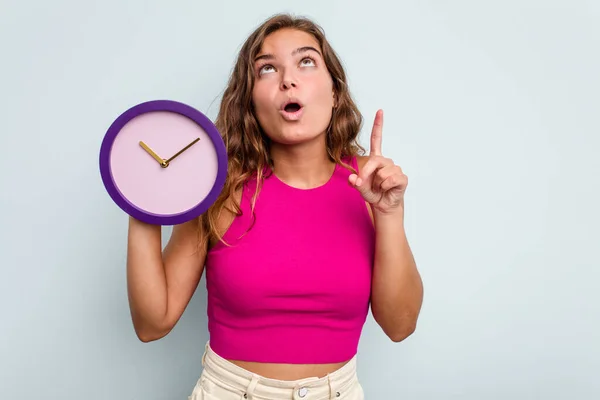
296	287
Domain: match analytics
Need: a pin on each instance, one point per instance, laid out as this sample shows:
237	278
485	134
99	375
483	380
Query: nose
288	82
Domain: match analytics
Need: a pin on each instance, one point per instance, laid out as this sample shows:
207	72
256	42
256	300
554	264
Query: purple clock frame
187	111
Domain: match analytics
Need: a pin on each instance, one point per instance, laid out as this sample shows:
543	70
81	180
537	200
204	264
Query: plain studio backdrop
491	109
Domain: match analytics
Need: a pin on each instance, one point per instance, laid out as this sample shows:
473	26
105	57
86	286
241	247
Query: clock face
163	162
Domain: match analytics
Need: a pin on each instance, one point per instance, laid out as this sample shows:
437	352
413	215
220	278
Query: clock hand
181	151
153	154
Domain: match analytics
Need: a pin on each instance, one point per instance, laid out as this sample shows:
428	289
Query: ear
334	99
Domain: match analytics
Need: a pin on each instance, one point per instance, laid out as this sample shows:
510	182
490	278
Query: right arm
160	284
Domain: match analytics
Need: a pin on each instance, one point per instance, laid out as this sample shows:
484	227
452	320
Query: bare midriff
288	372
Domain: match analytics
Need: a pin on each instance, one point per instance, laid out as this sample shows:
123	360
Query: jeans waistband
251	384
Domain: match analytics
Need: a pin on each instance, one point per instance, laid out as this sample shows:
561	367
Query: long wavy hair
248	148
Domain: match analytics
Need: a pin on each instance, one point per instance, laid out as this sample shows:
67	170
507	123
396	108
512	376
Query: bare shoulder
361	161
227	215
187	235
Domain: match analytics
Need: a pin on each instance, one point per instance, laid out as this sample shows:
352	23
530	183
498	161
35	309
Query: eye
307	61
264	69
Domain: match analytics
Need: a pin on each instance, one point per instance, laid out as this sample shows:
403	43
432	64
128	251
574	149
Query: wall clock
163	162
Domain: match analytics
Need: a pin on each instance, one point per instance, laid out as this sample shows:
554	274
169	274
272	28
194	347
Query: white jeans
223	380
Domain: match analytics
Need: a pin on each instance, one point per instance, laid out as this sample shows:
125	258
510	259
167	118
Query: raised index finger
376	134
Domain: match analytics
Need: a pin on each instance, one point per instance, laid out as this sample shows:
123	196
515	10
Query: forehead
284	41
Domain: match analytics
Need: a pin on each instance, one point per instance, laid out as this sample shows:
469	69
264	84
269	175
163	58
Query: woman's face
290	69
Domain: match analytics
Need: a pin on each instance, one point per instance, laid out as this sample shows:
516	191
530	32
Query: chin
294	136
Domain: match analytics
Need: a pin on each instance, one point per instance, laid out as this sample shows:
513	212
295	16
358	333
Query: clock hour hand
182	150
152	153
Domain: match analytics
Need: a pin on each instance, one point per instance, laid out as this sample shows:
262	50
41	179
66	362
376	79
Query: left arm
397	288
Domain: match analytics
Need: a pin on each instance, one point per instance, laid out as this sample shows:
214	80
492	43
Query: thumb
356	182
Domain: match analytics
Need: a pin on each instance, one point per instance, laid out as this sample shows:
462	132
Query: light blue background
491	110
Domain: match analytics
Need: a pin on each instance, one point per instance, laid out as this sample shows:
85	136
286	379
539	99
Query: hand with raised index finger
380	182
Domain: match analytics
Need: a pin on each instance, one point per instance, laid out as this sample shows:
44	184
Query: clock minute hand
182	150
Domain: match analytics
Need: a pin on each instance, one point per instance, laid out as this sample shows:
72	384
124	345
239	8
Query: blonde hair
247	145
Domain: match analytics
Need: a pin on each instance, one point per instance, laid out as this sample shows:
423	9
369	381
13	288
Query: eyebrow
298	50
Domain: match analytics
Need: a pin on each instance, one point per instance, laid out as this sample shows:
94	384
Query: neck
304	165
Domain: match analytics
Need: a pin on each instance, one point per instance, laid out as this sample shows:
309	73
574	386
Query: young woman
307	234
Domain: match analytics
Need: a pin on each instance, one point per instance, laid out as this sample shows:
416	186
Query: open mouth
292	107
292	110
